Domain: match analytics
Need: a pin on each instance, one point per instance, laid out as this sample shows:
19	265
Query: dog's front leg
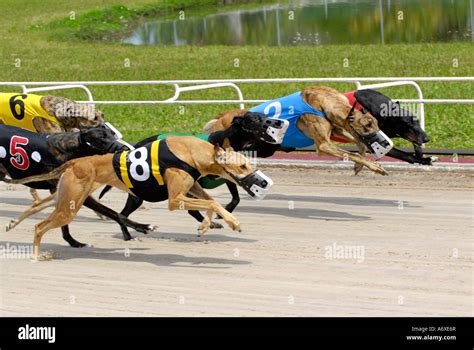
362	150
331	149
320	130
179	183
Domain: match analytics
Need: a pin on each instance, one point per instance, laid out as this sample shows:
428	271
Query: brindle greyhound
54	151
80	177
342	120
47	115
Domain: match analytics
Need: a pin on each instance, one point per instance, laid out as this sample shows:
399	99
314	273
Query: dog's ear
226	145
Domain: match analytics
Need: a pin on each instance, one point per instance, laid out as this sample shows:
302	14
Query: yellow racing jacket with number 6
21	110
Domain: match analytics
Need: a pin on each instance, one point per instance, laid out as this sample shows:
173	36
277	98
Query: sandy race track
324	243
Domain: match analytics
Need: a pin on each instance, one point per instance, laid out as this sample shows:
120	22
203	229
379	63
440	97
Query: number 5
19	157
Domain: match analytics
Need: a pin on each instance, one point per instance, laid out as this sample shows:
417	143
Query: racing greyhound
47	115
24	153
243	131
160	170
314	114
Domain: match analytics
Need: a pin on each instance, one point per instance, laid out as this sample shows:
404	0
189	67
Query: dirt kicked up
323	243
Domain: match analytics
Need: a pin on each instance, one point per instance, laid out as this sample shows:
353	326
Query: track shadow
357	201
303	213
210	236
133	255
43	215
16	201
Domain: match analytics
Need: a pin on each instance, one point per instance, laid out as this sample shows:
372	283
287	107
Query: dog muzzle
378	143
257	184
275	130
267	129
118	136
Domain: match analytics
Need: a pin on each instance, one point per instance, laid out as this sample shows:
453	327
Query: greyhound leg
68	238
36	207
121	219
198	192
72	194
320	130
235	196
179	183
331	149
34	194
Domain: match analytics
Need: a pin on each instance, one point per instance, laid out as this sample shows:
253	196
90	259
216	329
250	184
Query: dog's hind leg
121	219
34	194
44	203
68	238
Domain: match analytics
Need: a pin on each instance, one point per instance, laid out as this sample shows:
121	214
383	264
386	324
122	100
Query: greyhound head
362	123
237	168
100	140
405	126
365	127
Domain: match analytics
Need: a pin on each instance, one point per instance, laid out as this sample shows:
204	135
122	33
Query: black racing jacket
24	153
142	170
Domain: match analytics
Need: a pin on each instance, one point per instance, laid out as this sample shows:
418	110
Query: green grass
46	58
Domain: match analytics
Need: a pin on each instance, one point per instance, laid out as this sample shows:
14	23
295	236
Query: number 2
277	106
19	157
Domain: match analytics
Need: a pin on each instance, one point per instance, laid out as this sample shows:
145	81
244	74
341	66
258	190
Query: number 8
141	162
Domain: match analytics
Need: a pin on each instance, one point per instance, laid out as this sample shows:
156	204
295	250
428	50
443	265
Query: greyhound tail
104	191
55	174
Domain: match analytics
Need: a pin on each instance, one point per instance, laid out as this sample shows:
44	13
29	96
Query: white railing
194	85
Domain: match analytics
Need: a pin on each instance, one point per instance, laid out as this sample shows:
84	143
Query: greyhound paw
204	227
235	226
216	225
378	169
357	168
45	256
79	245
10	225
150	228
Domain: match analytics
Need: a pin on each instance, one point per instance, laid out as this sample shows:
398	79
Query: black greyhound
24	153
395	122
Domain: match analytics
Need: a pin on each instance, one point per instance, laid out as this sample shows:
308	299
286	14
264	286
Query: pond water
318	22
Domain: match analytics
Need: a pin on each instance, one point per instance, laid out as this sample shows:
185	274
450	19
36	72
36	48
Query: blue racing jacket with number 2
290	108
